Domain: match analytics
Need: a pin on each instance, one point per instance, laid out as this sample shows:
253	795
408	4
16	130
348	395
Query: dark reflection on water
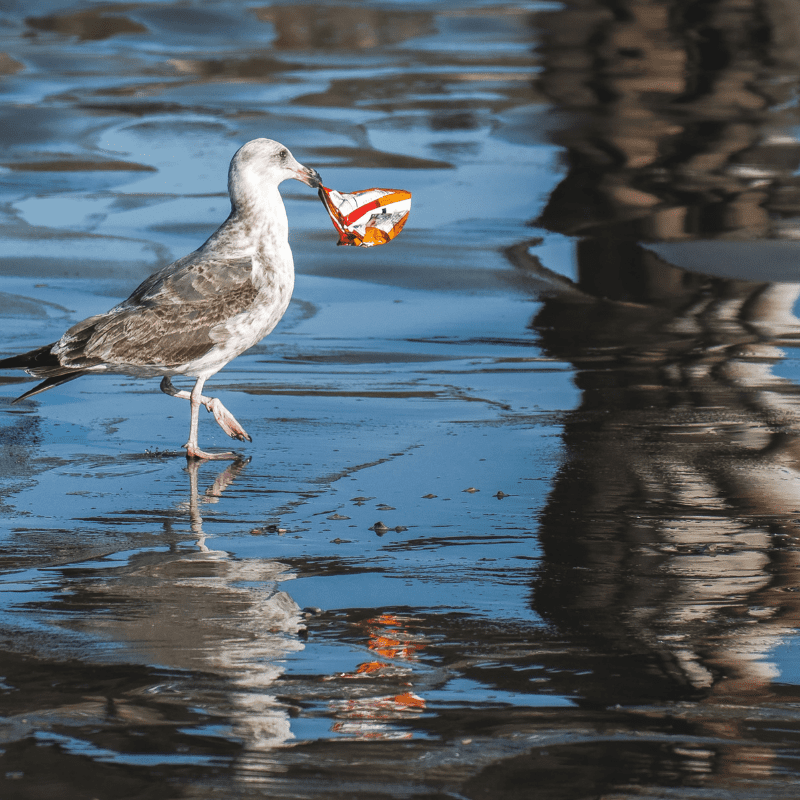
94	24
679	119
666	527
343	27
669	567
568	392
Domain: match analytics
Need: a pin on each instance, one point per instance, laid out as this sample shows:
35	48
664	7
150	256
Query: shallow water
520	515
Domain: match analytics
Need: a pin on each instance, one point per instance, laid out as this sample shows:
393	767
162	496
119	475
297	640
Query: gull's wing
169	318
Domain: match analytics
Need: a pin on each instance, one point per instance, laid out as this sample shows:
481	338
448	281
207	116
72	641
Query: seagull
200	312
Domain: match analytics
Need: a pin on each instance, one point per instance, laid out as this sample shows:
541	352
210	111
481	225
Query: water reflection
301	27
669	562
678	118
211	495
395	646
682	470
198	611
670	567
92	25
215	614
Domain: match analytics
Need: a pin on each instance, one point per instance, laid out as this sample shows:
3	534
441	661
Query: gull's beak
308	176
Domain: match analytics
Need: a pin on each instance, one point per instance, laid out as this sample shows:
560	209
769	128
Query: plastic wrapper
367	218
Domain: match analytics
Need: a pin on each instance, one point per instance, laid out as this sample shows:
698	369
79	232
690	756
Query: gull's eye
283	155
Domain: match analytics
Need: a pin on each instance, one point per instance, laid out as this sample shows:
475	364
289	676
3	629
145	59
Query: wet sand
521	506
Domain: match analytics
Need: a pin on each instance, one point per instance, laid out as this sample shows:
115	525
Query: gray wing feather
168	319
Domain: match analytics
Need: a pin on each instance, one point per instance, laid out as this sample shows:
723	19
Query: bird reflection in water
222	619
211	495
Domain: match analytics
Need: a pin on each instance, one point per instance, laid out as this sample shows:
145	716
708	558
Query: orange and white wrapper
367	218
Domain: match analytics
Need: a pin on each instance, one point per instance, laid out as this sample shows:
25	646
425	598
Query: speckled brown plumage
166	322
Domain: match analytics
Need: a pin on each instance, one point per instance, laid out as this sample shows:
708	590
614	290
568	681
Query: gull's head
266	163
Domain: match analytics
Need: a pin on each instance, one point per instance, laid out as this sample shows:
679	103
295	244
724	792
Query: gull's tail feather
41	362
50	383
40	358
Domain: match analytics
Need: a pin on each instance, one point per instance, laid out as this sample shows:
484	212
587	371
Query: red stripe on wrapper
386	214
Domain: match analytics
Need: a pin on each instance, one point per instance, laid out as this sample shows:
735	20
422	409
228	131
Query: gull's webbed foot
226	420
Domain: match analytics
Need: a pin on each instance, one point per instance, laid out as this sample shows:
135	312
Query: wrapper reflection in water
369	217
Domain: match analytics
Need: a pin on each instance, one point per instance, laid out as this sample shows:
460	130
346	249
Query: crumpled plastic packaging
367	218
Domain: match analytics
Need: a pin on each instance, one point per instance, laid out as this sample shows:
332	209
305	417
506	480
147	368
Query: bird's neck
257	224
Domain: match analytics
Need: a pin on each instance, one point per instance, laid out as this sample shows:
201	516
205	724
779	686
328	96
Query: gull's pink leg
224	418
